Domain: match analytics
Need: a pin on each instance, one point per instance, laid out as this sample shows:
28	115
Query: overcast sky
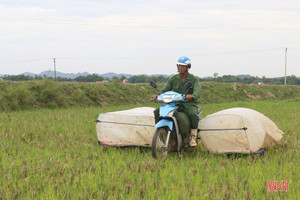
148	36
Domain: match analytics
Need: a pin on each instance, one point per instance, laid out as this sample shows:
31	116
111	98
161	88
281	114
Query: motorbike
172	129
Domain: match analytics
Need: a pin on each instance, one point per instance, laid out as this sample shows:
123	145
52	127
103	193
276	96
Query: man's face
182	68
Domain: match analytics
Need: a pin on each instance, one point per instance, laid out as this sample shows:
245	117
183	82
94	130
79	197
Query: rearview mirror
153	84
188	85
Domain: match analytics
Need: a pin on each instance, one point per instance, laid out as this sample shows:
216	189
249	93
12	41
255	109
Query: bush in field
79	96
16	97
50	94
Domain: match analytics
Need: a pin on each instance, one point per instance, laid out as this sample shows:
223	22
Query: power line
151	26
24	61
239	52
146	57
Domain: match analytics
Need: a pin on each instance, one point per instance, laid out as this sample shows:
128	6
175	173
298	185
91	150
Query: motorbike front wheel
159	147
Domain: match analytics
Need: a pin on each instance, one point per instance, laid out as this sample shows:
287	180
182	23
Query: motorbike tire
158	144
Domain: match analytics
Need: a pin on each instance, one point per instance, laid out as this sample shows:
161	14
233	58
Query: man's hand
154	96
189	97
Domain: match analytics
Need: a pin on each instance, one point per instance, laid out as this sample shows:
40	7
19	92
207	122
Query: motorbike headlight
178	99
168	98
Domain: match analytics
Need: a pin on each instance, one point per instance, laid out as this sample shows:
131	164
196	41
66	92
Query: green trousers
190	110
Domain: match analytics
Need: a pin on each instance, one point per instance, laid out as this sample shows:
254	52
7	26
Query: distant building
125	80
260	83
104	81
1	79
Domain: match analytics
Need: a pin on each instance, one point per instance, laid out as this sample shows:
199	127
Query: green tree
115	78
89	78
20	77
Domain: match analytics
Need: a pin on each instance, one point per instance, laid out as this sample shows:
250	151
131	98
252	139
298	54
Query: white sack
111	134
261	131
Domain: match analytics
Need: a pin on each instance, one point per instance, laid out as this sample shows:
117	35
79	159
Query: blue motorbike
169	135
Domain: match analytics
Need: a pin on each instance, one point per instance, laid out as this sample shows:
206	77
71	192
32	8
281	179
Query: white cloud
221	36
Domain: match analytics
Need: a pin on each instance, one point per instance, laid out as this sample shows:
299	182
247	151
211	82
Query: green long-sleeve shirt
177	85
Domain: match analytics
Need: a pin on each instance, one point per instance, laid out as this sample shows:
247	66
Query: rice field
54	154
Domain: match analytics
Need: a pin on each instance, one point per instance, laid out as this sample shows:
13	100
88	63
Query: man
176	84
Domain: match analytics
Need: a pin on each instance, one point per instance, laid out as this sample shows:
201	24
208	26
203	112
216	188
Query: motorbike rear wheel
159	147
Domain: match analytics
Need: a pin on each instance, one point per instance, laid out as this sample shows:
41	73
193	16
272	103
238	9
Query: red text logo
274	186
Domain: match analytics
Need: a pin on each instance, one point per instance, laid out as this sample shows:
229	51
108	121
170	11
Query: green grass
29	95
53	154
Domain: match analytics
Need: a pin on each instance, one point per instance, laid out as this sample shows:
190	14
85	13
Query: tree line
291	80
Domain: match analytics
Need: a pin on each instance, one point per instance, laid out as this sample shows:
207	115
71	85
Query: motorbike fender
164	122
169	123
166	109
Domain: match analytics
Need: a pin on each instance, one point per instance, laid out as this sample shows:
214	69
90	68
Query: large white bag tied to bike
239	130
134	127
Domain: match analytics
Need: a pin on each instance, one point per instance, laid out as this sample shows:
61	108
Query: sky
228	37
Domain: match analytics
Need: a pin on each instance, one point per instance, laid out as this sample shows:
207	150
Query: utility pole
54	69
285	66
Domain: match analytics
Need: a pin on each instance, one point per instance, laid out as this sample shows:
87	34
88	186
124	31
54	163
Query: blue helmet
184	61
